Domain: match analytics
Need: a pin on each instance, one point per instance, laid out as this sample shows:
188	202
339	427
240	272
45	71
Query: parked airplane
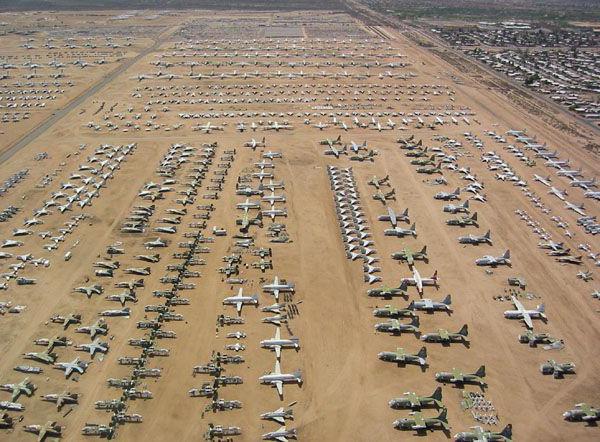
583	413
409	256
446	337
277	378
458	377
239	300
24	387
278	344
524	314
402	358
280	435
280	415
430	306
75	365
419	423
413	401
480	435
476	239
494	261
418	281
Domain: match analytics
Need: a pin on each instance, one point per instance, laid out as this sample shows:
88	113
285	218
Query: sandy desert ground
346	388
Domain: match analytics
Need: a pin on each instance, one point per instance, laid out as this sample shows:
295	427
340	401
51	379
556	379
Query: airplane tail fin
480	371
416	322
434	276
339	138
507	432
447	300
464	330
487	234
423	250
437	394
466	204
443	416
413	227
405	213
403	287
422	353
506	254
541	308
474	217
457	191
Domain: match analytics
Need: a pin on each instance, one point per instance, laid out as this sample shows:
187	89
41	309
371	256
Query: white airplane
419	281
277	378
276	287
575	208
277	343
584	184
277	127
544	181
208	128
93	347
321	125
253	144
570	173
554	191
524	314
280	435
239	300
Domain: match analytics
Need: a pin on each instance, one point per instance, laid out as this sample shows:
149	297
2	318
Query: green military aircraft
414	401
409	256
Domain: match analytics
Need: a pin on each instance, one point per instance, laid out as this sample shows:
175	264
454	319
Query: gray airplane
280	415
93	347
100	327
430	306
280	435
583	413
400	232
60	399
476	239
277	378
75	365
462	208
23	387
402	358
494	261
446	196
90	290
393	217
278	344
277	287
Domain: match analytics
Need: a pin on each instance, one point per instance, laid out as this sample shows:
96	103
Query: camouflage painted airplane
392	312
583	413
396	327
386	292
419	423
378	182
463	221
423	161
23	387
458	377
413	401
61	399
480	435
50	429
462	208
431	170
402	358
384	197
446	337
393	217
494	261
409	256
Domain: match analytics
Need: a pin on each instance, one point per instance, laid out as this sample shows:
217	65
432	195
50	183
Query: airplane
575	208
137	271
480	435
418	281
277	378
533	339
95	289
494	261
6	422
551	245
544	181
419	423
239	300
75	365
388	311
557	369
61	399
460	378
118	312
98	328
93	347
430	306
208	127
320	125
393	218
413	401
253	144
383	197
51	429
430	170
409	256
584	184
281	435
582	413
463	221
423	161
277	343
554	191
46	357
378	182
401	232
277	127
386	292
24	387
524	314
276	287
335	152
569	259
446	196
378	127
396	327
158	242
446	337
271	155
280	415
402	358
572	174
330	143
476	239
66	320
148	258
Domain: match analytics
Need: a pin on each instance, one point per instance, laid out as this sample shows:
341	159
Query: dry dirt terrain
197	66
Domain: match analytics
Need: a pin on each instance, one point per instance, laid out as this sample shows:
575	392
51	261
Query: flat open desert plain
207	108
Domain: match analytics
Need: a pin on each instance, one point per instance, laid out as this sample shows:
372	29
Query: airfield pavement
346	388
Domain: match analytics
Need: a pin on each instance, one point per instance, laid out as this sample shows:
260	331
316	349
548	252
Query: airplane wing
527	320
279	385
281	438
278	351
68	371
277	333
277	368
238	307
518	304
